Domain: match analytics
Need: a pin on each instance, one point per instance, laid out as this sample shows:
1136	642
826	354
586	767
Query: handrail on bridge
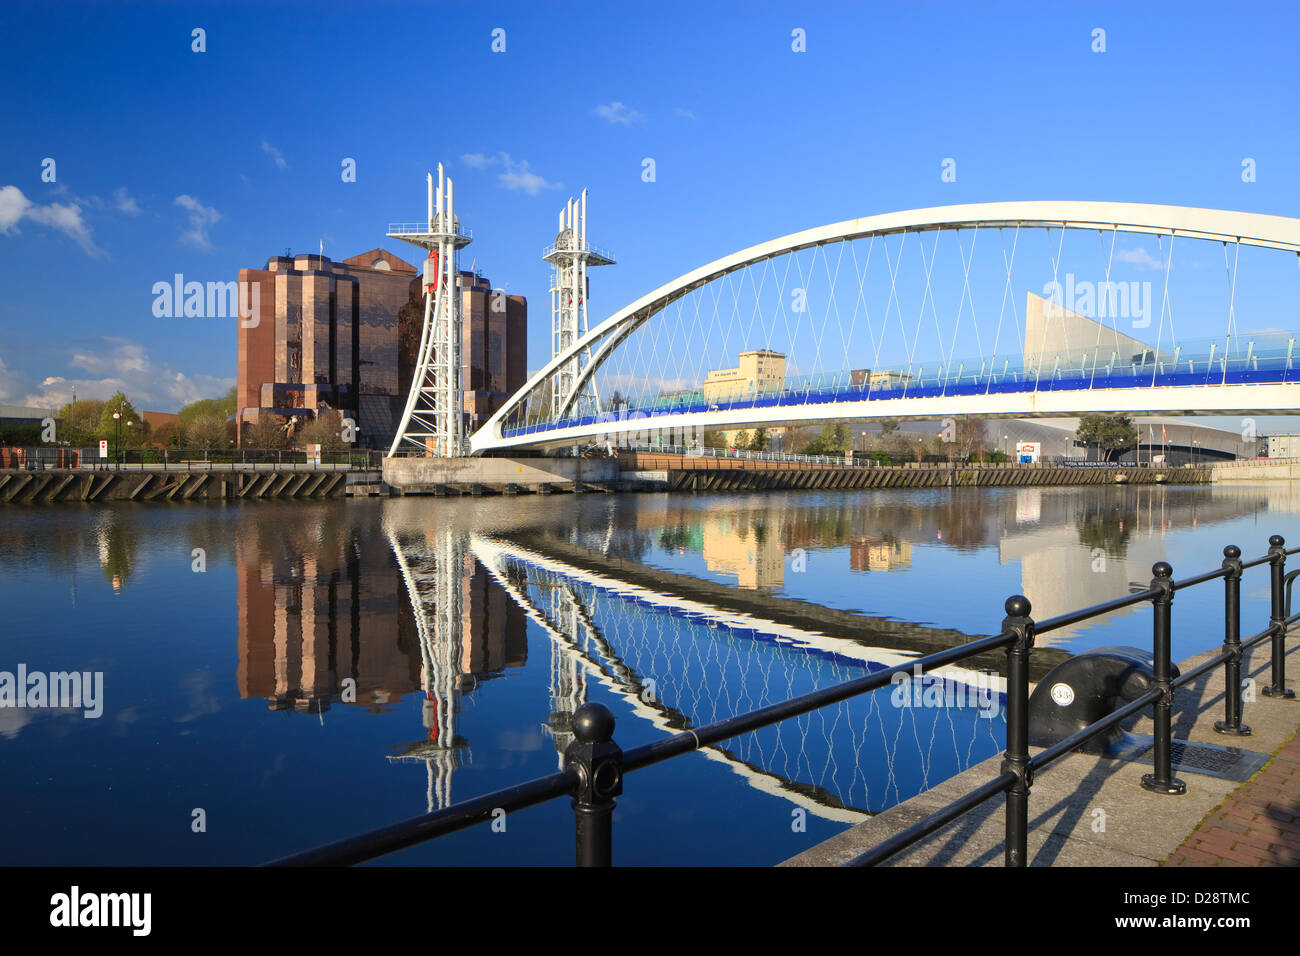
595	766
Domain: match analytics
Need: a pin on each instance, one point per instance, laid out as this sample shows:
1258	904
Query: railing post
1231	724
1016	757
599	765
1162	780
1277	569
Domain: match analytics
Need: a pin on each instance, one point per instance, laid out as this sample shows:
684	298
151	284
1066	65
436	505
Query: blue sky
170	161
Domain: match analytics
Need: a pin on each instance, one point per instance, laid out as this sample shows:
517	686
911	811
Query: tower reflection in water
440	610
331	614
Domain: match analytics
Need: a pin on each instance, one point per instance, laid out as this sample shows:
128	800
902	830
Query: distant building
1282	446
494	350
1053	332
760	370
20	416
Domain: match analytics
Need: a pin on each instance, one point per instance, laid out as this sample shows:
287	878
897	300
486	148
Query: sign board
1027	452
313	454
103	449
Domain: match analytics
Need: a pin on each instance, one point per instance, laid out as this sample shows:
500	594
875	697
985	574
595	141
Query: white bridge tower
571	256
433	420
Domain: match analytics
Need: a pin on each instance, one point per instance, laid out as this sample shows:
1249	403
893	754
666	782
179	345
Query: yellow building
888	379
759	370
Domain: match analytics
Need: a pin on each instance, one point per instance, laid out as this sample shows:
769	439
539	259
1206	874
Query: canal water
280	674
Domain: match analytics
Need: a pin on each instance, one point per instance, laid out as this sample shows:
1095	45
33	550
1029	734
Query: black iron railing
595	766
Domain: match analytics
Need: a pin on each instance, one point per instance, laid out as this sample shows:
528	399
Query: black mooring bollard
1162	780
1016	757
599	764
1231	724
1277	619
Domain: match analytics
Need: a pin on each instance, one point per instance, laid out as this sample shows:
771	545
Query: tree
207	432
128	427
326	431
269	431
221	408
1112	434
833	440
742	440
79	422
761	441
970	437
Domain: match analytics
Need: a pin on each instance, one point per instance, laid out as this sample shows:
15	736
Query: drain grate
1226	763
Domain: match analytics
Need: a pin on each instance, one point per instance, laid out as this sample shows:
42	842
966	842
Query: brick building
343	336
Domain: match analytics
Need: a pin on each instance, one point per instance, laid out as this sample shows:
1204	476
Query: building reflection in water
879	554
327	615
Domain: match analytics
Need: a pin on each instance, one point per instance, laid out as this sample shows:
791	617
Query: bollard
1277	619
599	764
1162	780
1016	757
1231	724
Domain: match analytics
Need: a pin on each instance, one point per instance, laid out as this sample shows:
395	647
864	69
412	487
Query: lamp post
117	439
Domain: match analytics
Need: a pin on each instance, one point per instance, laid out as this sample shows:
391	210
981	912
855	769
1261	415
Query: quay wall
1282	469
59	485
412	476
703	473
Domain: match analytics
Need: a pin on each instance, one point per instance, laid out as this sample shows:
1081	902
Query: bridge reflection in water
675	662
443	596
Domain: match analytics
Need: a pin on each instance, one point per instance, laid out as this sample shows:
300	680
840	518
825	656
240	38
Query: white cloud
118	358
12	206
201	217
514	174
274	154
120	364
517	175
681	111
66	218
125	202
1138	257
620	114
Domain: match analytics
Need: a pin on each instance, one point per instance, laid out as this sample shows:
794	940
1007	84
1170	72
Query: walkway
1258	825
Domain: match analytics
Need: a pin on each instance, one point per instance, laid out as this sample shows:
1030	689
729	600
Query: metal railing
595	766
742	454
39	458
421	228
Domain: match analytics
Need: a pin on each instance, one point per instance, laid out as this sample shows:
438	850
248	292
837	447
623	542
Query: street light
117	439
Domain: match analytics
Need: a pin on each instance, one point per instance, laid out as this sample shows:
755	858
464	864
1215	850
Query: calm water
337	666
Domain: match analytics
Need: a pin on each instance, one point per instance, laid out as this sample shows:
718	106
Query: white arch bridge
1016	309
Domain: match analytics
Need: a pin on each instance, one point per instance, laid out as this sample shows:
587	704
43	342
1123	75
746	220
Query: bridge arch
1240	229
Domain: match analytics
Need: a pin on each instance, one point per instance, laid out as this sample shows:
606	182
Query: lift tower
572	256
434	418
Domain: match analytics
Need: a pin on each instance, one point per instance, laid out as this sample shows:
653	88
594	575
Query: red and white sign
103	449
1027	451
